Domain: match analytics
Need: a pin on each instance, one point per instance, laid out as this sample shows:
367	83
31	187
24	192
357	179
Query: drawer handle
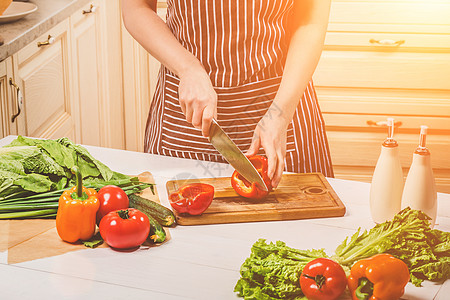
19	98
91	10
50	40
383	123
387	42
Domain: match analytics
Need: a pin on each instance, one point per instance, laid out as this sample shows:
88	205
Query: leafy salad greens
272	271
33	173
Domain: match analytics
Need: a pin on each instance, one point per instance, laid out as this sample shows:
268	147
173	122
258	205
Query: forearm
303	55
153	34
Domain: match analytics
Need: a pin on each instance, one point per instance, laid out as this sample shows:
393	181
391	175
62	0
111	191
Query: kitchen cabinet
87	50
140	73
94	89
41	71
70	78
386	59
8	98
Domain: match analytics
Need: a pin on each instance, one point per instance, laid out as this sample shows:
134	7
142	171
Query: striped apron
242	45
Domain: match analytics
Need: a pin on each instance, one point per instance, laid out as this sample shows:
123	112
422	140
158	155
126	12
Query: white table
199	262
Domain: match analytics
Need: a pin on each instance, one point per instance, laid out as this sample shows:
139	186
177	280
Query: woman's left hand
270	133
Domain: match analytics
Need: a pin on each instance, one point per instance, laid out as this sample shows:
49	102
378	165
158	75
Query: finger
254	146
197	116
271	160
214	106
189	110
208	114
280	168
181	99
183	107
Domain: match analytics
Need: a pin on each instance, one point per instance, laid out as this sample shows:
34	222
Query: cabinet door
140	73
386	59
41	71
88	72
8	99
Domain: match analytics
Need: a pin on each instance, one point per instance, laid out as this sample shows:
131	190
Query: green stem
365	289
79	180
26	214
319	279
48	216
45	200
123	214
356	253
27	207
130	186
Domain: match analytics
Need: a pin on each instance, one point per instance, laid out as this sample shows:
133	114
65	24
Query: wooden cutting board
298	196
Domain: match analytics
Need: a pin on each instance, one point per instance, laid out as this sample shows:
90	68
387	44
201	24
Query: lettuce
273	271
408	237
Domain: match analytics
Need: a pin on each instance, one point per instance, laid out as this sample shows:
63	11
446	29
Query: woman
247	63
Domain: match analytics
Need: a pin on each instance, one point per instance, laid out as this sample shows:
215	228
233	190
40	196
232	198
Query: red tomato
125	229
323	279
111	198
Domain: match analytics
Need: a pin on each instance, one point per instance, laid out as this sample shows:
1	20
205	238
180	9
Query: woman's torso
242	44
237	41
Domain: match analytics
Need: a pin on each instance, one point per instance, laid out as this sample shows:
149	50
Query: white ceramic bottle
387	180
420	188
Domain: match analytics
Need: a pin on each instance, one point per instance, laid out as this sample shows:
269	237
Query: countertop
18	34
199	262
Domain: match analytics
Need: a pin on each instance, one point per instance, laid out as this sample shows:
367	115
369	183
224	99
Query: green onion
45	205
27	214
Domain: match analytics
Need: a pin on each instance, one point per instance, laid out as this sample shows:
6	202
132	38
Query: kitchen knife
233	155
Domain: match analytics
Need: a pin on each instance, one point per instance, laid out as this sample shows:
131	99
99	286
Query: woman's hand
197	98
270	133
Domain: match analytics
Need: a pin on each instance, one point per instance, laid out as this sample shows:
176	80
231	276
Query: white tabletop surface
199	262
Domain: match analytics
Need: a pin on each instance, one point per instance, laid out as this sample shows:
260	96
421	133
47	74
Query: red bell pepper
192	199
251	190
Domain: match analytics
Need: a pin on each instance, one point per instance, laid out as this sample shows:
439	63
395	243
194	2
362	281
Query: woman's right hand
197	98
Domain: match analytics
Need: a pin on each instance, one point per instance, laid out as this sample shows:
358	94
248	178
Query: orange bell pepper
77	210
380	277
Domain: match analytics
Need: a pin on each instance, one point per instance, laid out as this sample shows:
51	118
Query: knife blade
233	155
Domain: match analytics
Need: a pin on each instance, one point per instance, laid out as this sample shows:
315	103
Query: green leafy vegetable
94	241
34	173
34	182
408	237
272	271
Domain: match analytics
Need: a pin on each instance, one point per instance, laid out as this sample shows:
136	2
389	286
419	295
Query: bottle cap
390	142
422	149
390	124
423	136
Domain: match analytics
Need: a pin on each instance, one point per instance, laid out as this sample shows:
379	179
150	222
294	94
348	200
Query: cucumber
157	233
160	213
